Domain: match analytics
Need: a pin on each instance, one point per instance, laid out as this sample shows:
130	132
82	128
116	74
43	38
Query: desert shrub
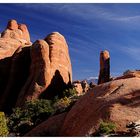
35	111
61	104
126	72
106	127
3	125
37	107
69	92
19	121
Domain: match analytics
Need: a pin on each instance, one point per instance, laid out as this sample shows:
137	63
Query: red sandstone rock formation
25	33
14	36
18	32
104	75
50	70
116	101
19	72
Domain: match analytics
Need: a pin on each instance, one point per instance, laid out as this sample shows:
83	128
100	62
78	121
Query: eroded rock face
14	36
50	70
116	101
59	55
18	32
18	74
104	75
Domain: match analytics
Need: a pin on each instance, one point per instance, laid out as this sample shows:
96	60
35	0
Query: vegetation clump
23	119
61	104
70	92
3	125
106	128
35	111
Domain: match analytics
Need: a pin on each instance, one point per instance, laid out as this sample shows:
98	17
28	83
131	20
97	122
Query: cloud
119	16
90	78
133	52
128	18
86	11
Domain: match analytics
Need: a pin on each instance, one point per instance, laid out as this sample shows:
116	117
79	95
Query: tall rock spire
104	75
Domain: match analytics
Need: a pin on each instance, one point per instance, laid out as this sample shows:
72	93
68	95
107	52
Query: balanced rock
104	75
50	70
116	101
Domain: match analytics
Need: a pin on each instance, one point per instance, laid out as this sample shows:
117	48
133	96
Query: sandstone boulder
50	70
104	75
116	101
81	86
50	127
77	85
129	74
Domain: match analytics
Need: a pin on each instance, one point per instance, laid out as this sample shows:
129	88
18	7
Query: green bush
35	111
106	127
69	92
3	125
19	121
38	106
61	104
